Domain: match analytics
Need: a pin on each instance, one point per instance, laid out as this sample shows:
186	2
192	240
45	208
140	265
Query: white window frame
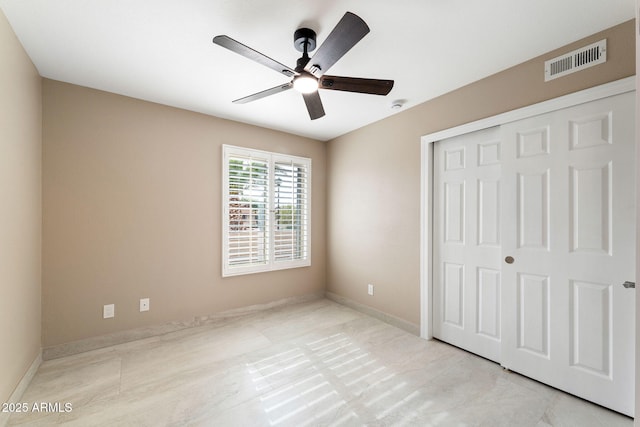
270	263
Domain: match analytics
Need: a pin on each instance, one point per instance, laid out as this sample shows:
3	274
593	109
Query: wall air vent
577	60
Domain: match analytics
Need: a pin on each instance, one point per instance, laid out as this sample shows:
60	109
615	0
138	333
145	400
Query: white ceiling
161	51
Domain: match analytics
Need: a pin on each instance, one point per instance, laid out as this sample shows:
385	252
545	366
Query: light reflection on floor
341	372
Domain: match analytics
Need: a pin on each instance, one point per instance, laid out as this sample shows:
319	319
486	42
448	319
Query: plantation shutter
291	207
247	209
266	211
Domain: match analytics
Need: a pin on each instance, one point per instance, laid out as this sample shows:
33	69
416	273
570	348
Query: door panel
591	343
453	294
454	212
567	320
533	210
488	212
488	302
590	209
533	314
467	254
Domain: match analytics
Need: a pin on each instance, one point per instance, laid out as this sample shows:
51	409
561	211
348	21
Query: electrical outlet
144	304
108	311
370	289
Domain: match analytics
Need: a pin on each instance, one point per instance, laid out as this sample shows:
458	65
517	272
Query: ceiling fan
309	74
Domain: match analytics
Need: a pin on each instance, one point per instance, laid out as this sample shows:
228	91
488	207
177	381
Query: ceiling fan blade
356	84
314	105
254	55
264	93
349	31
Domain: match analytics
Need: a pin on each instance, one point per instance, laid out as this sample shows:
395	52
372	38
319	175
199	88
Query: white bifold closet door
539	215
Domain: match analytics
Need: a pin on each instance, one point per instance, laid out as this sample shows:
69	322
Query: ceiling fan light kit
305	83
308	75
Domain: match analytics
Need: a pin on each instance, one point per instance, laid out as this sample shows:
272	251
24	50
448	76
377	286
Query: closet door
467	257
568	245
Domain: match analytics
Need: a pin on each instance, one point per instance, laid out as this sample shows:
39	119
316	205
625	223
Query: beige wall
20	210
132	209
373	207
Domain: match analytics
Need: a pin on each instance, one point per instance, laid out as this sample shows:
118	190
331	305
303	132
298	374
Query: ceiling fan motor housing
302	37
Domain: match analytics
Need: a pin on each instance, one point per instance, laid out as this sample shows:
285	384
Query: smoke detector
397	104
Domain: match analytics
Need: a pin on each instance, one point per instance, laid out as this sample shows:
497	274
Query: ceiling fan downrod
304	40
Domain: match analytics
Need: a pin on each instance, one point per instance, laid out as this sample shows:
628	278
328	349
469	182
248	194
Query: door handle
628	285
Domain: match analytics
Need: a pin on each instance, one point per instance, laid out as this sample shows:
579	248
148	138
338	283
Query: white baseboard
18	392
387	318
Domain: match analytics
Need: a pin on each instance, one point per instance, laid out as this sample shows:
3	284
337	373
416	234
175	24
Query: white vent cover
577	60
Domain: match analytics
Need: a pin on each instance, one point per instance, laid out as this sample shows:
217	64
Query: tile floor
310	364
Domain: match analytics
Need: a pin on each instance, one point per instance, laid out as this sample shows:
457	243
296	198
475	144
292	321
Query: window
266	211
